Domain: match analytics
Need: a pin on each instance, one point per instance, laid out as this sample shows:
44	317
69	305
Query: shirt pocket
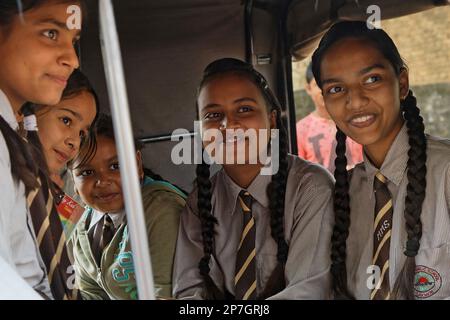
432	276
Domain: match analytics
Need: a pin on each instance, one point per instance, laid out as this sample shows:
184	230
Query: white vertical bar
125	144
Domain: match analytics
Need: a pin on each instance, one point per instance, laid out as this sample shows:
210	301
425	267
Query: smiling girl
37	56
244	235
391	239
102	250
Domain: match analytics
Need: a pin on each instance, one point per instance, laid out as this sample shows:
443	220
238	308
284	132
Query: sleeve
307	268
162	211
88	287
6	197
187	281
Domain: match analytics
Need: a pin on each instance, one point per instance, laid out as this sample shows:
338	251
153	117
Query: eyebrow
113	159
360	72
59	24
240	100
75	114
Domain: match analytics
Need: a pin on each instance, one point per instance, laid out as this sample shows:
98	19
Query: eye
372	79
212	115
82	135
243	109
86	173
51	34
334	90
115	166
66	120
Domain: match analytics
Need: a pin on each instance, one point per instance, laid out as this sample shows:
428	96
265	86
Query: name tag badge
69	212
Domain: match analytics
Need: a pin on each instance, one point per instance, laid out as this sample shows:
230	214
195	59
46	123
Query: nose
102	180
69	57
356	99
73	142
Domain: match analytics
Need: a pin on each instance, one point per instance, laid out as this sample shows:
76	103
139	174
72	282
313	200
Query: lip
61	156
107	197
61	80
368	121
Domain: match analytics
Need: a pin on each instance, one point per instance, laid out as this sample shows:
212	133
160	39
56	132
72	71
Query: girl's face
37	56
362	93
231	102
98	182
61	128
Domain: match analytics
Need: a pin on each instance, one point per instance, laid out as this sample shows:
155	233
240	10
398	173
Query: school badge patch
427	282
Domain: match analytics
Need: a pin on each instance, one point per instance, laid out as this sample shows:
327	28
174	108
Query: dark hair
404	285
275	190
24	164
309	74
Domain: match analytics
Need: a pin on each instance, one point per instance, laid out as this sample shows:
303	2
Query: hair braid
342	221
415	195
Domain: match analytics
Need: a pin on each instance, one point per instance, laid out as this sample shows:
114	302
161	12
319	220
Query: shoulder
308	173
438	149
4	153
161	201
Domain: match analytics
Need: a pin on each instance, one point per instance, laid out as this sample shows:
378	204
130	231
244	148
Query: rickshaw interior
166	45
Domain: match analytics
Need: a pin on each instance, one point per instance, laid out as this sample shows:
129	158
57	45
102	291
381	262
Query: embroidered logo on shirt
427	282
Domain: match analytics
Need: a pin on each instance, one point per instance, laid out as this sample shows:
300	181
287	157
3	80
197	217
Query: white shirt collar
117	218
6	111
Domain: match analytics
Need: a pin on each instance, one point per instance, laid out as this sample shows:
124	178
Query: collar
257	189
117	218
395	163
6	111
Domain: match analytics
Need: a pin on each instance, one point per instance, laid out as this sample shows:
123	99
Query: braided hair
275	190
416	166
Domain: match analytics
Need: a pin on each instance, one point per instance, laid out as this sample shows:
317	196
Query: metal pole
124	140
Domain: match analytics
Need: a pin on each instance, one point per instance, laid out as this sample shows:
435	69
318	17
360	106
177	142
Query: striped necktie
51	239
100	236
382	236
245	274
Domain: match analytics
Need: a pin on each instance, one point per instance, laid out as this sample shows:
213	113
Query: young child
245	235
391	238
317	131
103	260
65	126
37	56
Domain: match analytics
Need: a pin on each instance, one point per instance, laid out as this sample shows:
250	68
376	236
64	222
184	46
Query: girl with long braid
391	238
37	56
245	235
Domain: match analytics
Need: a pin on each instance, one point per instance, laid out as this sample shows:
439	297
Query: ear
140	164
403	81
273	119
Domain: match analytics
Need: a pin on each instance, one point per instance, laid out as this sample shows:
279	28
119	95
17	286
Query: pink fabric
316	141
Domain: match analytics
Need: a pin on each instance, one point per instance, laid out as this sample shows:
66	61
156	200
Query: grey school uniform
433	260
308	226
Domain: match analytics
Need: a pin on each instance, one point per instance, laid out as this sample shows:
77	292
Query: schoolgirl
245	235
391	238
37	57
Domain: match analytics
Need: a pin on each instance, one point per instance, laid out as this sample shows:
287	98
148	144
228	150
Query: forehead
349	56
58	10
106	150
228	87
82	103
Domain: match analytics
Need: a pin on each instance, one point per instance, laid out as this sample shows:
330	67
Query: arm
187	281
307	268
162	212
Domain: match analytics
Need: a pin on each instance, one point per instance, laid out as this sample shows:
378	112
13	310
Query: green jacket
115	278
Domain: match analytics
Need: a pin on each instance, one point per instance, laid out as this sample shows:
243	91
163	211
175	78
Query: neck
244	174
15	103
378	151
